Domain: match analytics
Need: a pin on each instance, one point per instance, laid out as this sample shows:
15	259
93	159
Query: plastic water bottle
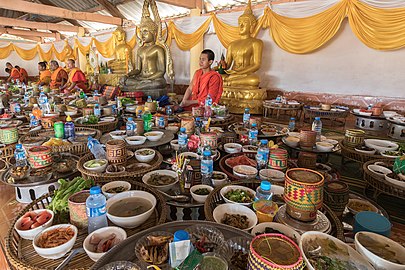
96	93
161	122
96	148
96	210
169	111
291	124
198	126
253	132
207	168
147	121
44	104
208	104
317	127
149	99
33	121
263	191
97	110
69	128
20	156
131	127
17	108
183	139
262	156
26	99
246	118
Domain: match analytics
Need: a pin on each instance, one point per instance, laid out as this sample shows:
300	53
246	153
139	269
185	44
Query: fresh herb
239	196
126	101
202	191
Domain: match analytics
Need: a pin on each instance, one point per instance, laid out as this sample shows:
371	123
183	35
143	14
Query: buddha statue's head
148	28
119	34
247	21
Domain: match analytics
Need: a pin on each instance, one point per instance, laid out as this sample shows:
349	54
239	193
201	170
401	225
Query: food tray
379	183
261	135
22	256
122	176
103	126
356	156
125	251
214	199
74	148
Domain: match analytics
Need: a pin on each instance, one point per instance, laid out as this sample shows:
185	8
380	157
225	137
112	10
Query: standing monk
14	73
205	81
44	74
58	77
24	74
77	79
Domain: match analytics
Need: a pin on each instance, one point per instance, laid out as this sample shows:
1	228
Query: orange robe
204	84
24	75
57	76
77	76
45	77
16	75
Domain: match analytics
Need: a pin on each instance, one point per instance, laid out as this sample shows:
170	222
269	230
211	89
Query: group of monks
55	77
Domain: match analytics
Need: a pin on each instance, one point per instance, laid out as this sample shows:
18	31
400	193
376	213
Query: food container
353	138
107	111
336	196
139	127
77	209
87	111
377	111
278	159
9	135
198	111
188	124
274	251
303	193
372	222
306	160
116	151
40	156
265	210
157	121
152	106
209	139
307	139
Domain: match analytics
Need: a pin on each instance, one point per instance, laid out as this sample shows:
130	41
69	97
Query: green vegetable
126	101
92	119
239	196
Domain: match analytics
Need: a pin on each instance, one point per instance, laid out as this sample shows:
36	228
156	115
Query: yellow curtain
26	54
84	49
380	29
106	49
46	56
5	51
187	41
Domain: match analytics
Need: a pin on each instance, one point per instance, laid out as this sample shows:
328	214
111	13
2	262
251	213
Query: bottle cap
247	109
18	146
207	153
292	118
183	129
130	119
162	118
68	119
95	190
317	118
254	124
181	235
197	119
265	185
264	142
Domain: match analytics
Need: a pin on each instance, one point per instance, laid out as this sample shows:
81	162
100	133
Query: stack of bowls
40	156
353	138
278	159
116	151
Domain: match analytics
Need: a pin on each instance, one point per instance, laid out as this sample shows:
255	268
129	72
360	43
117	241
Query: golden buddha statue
123	53
89	68
241	84
153	58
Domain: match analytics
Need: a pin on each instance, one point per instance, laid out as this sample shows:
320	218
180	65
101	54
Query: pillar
196	50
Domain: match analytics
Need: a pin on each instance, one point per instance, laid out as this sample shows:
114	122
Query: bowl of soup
130	209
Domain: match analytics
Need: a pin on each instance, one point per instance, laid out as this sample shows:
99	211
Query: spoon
178	198
69	258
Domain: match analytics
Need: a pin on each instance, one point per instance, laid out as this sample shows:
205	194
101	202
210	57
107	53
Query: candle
126	60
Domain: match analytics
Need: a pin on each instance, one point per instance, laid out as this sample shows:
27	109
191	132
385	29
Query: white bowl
200	198
245	171
284	229
190	155
386	243
118	134
31	233
386	154
369	152
381	145
220	182
59	251
294	134
154	136
51	114
173	129
134	221
389	113
71	113
163	188
234	209
272	175
359	261
365	113
175	145
249	148
98	169
135	140
395	181
120	235
126	185
324	146
144	158
291	141
226	189
356	110
232	148
380	170
331	141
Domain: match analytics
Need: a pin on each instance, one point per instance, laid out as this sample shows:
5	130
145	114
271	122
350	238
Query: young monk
77	79
14	73
58	77
205	81
44	74
24	74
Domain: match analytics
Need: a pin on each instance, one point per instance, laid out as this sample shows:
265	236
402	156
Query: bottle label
246	117
262	155
96	211
182	139
253	134
161	123
207	166
208	102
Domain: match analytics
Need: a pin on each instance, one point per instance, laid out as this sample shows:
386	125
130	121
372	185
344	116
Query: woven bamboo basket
103	127
356	156
214	199
7	151
22	256
131	177
74	148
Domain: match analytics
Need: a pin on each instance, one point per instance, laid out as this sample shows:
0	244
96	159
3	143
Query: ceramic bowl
222	178
163	188
356	205
172	128
232	148
365	113
381	145
391	154
175	145
31	233
283	229
200	198
70	113
229	188
291	141
272	175
58	251
154	136
380	170
269	131
245	171
235	209
103	163
324	146
388	114
115	184
135	140
142	157
118	134
133	221
381	243
365	150
394	181
189	155
249	148
120	235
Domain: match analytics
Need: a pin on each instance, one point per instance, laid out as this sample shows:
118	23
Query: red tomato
43	217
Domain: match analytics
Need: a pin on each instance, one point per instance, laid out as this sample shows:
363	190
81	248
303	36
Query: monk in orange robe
44	74
58	77
23	73
14	73
77	79
205	81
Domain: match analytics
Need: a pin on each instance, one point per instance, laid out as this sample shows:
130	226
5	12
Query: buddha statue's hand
230	71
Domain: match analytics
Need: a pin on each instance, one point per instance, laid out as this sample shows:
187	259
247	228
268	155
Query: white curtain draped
46	47
59	46
191	24
385	3
303	9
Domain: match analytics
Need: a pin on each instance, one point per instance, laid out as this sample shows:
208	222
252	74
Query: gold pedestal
237	99
110	79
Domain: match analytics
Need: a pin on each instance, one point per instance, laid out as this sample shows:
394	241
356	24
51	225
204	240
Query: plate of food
356	205
240	160
235	215
238	194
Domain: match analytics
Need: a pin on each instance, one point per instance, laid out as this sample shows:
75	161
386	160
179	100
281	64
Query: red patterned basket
40	156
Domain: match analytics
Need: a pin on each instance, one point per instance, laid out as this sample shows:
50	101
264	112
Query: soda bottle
207	168
183	139
20	156
69	128
246	118
263	192
147	120
253	132
317	127
130	127
96	210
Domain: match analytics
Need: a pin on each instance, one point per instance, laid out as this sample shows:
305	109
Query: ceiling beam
113	10
38	25
18	32
190	4
47	10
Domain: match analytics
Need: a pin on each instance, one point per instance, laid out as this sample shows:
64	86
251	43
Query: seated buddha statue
150	61
122	52
89	68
